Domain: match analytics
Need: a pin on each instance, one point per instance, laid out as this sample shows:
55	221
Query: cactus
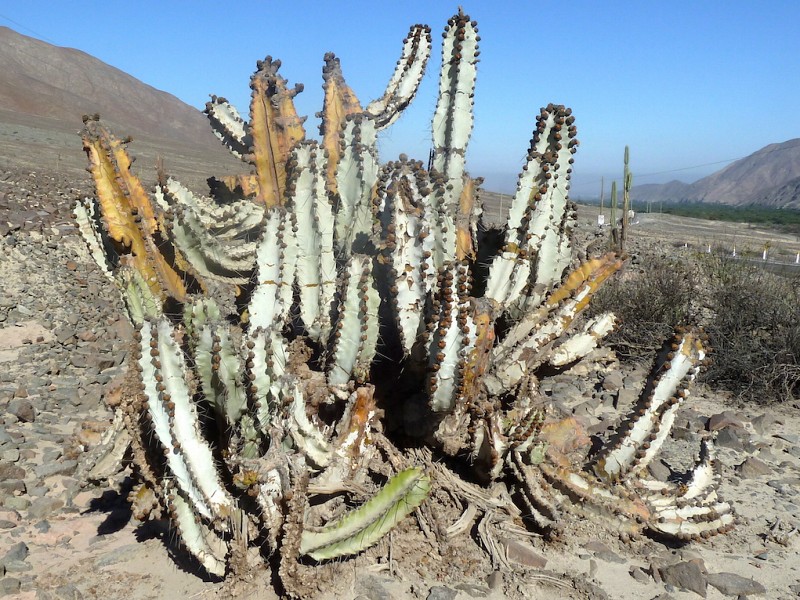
288	324
627	184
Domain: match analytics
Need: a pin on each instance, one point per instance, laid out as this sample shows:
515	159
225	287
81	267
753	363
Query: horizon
703	85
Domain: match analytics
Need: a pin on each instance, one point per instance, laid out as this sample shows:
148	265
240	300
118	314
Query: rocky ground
63	348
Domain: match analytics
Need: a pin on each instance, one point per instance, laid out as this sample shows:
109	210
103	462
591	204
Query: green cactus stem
364	526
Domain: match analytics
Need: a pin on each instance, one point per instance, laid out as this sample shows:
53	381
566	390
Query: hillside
46	89
769	177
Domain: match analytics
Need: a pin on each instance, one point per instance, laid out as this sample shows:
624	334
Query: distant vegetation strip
785	219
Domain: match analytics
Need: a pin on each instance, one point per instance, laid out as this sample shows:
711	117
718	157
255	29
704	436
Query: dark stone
43	507
11	471
751	468
18	551
66	467
727	438
639	575
724	420
22	409
732	584
372	587
659	470
685	576
441	592
523	554
9	586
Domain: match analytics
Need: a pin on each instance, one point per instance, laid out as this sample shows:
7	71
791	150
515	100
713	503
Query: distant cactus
627	184
322	324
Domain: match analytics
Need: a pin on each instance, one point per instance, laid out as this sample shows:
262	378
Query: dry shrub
754	329
651	297
752	317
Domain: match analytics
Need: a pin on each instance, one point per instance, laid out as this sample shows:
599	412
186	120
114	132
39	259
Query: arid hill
45	90
769	177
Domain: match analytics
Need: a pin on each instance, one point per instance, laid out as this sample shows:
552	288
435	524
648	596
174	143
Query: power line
718	162
36	33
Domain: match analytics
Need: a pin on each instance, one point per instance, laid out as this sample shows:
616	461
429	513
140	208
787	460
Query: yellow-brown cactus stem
340	102
592	273
465	244
275	129
478	360
128	213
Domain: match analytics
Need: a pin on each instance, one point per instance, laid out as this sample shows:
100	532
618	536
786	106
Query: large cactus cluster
325	341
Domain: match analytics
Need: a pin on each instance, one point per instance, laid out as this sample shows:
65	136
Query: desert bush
650	298
754	330
752	318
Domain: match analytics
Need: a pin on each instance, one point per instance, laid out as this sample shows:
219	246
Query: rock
612	381
639	575
659	470
603	552
373	588
16	566
495	580
22	409
792	438
523	554
685	576
9	586
751	468
763	423
43	507
441	592
727	438
16	503
18	551
732	584
66	467
723	420
11	471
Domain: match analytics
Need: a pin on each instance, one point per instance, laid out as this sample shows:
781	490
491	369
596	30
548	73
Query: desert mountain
45	90
769	177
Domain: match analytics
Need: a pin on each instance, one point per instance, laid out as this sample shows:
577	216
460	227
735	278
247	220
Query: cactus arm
210	549
453	338
580	344
219	367
315	273
356	176
364	526
308	438
405	80
339	104
208	252
452	126
228	126
266	303
403	233
469	211
127	213
274	130
184	424
357	330
158	413
266	354
103	254
225	221
642	438
520	351
536	243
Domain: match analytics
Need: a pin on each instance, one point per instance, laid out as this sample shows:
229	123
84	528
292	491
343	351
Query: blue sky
684	84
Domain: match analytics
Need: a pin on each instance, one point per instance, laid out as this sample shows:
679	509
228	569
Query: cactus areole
318	333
